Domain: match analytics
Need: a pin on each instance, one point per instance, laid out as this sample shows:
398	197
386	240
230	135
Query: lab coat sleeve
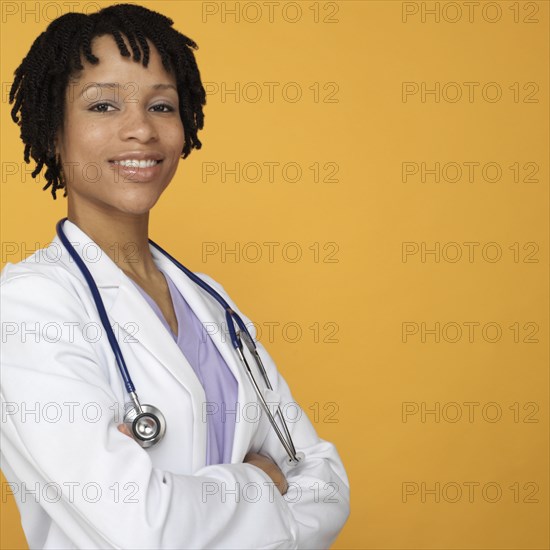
60	437
319	492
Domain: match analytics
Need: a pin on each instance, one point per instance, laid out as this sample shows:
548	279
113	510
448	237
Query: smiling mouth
135	163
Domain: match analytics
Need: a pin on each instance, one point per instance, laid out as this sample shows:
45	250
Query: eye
95	107
160	108
168	107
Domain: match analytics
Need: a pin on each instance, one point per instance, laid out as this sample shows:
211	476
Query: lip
138	155
135	173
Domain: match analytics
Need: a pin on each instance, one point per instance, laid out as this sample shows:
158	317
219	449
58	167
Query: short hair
41	79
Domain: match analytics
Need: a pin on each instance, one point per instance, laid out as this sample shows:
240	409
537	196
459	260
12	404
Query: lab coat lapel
135	319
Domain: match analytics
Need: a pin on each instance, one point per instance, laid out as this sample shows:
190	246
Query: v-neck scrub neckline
216	378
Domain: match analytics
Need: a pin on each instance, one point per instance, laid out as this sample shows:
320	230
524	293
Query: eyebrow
116	84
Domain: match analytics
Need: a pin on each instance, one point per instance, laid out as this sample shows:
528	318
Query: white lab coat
80	483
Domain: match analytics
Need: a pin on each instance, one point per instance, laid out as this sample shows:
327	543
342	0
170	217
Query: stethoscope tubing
230	315
130	388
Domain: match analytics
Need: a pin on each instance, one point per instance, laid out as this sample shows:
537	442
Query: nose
138	124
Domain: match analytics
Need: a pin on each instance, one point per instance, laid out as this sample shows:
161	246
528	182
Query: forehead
113	67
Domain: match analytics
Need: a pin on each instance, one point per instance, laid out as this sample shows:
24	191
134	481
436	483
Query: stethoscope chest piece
147	427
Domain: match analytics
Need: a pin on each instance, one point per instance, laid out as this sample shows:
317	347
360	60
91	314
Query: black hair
42	77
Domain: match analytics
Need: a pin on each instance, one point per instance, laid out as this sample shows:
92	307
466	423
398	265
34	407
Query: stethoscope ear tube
236	340
100	307
288	445
254	351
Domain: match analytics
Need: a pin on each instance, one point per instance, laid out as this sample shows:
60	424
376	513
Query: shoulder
218	287
43	317
211	281
38	280
224	294
44	262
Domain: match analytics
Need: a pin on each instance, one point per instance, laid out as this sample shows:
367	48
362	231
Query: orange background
360	290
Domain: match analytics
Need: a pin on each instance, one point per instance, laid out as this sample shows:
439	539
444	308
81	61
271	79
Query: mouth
133	163
136	171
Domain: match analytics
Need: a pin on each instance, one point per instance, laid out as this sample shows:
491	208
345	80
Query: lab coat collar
125	306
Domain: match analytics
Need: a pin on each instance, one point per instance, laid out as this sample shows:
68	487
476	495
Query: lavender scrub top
219	384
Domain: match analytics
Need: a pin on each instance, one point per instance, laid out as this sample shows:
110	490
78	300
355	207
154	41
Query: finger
251	456
124	429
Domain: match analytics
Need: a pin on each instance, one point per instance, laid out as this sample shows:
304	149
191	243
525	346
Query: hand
270	468
124	429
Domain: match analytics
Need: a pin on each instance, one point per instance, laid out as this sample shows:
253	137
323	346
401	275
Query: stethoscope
146	422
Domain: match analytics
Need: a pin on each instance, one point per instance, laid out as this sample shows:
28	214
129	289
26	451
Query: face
122	135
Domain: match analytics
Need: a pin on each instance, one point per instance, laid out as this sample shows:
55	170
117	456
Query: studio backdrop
372	191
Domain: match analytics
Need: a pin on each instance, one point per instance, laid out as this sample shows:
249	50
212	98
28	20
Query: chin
137	207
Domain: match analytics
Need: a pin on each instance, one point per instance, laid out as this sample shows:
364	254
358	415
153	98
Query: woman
108	102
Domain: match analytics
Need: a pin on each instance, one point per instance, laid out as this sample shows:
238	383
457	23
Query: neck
123	237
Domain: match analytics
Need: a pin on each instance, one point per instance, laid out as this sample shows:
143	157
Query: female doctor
108	102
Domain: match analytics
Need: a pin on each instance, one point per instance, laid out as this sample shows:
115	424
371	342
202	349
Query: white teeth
136	163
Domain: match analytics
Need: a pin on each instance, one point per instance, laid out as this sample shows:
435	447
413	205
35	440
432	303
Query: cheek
86	141
176	136
86	145
95	136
